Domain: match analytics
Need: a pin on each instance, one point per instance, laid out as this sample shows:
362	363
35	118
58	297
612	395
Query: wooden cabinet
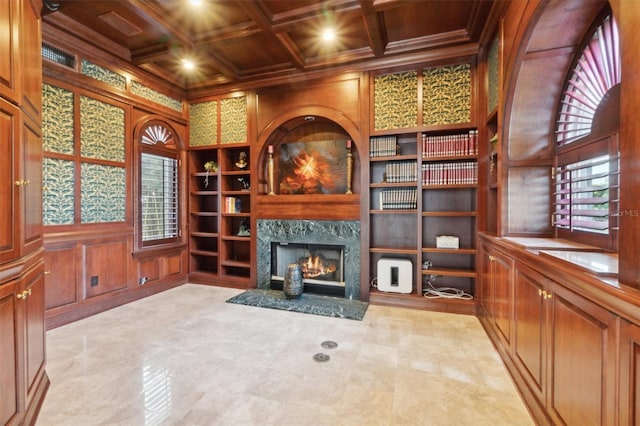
22	337
220	216
629	373
23	380
496	292
423	187
564	349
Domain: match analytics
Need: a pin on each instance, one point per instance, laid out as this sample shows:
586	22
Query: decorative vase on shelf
293	284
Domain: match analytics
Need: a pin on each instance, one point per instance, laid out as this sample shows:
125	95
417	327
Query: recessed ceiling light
188	65
195	2
328	34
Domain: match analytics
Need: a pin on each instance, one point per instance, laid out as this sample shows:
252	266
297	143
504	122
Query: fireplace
321	265
328	250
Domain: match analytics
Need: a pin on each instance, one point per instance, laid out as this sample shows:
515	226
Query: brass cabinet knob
492	257
24	294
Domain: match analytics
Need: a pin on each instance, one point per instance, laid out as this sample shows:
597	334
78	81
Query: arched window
159	200
586	156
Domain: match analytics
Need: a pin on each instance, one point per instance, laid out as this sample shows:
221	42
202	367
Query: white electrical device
394	275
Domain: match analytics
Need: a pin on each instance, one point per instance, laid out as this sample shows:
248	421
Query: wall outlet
94	281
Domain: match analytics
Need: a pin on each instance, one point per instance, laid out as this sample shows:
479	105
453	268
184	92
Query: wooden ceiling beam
152	11
374	26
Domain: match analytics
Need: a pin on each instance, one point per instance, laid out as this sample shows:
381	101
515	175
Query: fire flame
313	266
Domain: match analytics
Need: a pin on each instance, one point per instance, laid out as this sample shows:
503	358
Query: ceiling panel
239	41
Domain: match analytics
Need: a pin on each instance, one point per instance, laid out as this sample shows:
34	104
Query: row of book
232	205
450	145
383	146
457	173
401	171
399	199
432	146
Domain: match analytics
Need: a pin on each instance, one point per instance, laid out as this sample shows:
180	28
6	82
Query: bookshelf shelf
460	251
452	272
392	250
449	214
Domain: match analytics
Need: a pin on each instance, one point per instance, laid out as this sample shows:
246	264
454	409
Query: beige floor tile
185	357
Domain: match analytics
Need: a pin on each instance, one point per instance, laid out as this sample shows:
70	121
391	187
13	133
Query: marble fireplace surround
339	232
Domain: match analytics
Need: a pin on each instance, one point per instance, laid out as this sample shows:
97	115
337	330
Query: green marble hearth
307	303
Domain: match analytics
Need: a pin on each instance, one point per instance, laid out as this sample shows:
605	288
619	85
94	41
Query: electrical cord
443	292
374	282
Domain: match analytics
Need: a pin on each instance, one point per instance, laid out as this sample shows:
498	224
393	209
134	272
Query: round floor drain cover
320	357
329	344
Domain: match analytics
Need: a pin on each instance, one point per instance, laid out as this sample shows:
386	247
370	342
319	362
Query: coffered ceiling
233	42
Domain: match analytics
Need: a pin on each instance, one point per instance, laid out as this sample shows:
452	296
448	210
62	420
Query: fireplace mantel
309	206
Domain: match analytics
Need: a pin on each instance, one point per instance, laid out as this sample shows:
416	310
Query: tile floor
185	357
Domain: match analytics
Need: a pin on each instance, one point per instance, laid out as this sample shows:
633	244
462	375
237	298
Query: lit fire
315	266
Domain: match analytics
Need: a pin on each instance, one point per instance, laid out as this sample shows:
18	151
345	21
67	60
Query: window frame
597	142
167	148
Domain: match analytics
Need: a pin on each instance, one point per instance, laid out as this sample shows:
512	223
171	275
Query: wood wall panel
531	130
108	261
173	265
61	276
342	96
528	200
149	268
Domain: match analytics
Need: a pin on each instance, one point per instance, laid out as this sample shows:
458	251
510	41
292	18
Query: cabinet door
485	284
9	352
31	189
9	141
31	59
8	49
582	361
629	374
34	326
530	328
502	293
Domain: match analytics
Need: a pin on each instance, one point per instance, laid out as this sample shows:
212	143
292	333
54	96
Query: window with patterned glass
159	197
586	160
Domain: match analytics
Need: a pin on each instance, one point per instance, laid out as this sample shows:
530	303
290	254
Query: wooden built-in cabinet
220	205
23	380
629	373
495	293
560	347
422	187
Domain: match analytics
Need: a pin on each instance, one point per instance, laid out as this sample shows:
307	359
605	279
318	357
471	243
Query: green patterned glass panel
203	128
155	96
493	77
396	101
102	134
58	197
233	120
57	120
103	193
446	95
104	75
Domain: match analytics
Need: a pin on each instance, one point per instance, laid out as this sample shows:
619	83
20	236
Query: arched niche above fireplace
326	147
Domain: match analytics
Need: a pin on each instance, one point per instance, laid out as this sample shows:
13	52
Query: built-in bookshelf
423	191
220	216
203	214
235	190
